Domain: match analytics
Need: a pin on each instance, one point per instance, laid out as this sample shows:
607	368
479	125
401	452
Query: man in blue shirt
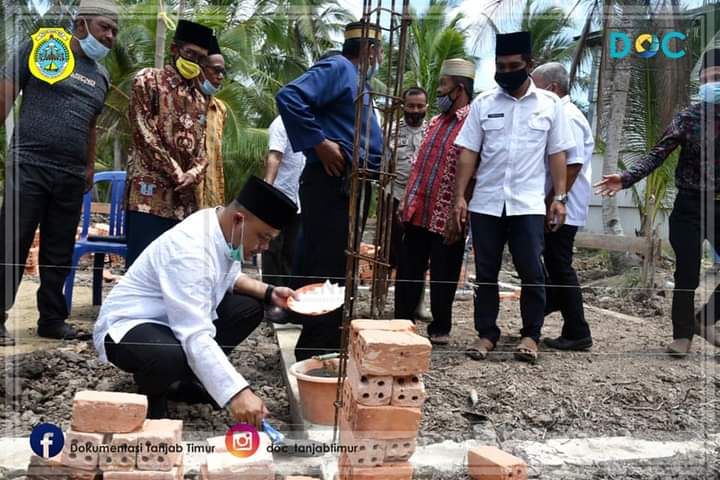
318	110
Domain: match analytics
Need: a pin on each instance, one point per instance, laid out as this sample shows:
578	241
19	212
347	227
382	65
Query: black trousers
325	206
51	199
155	357
524	234
142	230
563	290
692	220
277	261
396	236
418	246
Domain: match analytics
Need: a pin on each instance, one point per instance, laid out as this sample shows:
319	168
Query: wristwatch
268	294
562	198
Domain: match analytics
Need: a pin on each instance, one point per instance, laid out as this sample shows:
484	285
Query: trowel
292	447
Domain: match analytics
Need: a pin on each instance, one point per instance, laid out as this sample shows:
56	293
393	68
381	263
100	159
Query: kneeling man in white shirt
184	304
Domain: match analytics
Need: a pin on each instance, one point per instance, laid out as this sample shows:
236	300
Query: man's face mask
414	119
446	102
237	253
208	88
91	46
710	92
187	69
511	81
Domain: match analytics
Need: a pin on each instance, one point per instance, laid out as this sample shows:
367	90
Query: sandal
480	348
527	350
679	347
438	339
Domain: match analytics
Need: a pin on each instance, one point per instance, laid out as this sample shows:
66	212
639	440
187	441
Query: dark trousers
691	223
396	236
420	245
563	290
142	230
325	205
277	261
524	235
155	357
36	196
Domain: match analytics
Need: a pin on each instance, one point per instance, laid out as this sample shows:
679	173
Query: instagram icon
242	440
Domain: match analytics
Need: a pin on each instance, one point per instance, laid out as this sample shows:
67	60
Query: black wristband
268	294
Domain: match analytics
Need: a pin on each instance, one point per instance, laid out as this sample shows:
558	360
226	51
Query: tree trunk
614	85
117	155
160	42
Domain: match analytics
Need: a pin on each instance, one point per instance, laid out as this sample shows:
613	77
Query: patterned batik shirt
211	191
168	118
431	186
698	165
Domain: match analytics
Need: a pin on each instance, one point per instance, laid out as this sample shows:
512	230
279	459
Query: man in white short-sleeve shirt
283	168
511	130
563	291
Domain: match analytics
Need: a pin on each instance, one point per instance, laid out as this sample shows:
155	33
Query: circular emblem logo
242	440
51	57
46	440
647	45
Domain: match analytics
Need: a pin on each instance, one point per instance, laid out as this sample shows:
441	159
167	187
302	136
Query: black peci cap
267	203
191	32
513	43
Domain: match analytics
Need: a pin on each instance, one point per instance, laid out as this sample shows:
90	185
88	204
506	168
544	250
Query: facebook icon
46	440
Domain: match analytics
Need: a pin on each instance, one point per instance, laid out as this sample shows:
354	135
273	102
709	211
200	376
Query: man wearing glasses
168	157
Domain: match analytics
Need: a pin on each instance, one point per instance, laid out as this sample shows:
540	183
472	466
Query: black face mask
511	81
414	119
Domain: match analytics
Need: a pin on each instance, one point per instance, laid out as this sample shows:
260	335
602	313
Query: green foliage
548	28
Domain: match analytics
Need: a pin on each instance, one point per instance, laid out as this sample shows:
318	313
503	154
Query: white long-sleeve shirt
178	281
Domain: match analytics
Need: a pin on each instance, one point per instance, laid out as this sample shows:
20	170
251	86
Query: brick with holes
159	445
81	449
399	450
176	473
408	391
369	389
396	353
491	463
122	454
51	469
382	423
390	471
361	452
108	412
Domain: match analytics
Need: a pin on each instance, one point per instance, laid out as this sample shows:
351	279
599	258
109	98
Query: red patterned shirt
431	186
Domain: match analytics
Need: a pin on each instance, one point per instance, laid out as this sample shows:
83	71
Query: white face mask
91	46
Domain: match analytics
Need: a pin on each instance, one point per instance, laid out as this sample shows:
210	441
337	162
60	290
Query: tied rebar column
393	21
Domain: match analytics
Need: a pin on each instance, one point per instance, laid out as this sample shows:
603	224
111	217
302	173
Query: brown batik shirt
168	118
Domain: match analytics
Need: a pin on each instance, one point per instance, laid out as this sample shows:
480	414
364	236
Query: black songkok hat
215	47
191	32
513	43
711	58
267	203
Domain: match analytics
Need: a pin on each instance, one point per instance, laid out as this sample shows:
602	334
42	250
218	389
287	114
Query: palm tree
547	27
433	39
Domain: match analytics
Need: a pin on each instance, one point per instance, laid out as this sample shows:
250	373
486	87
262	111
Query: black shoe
58	331
192	393
562	343
157	407
276	315
6	340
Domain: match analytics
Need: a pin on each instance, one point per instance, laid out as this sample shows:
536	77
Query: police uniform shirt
514	136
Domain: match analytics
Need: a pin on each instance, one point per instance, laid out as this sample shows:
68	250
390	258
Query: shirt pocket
493	129
538	127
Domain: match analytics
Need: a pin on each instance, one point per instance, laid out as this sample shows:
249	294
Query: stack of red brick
110	438
382	399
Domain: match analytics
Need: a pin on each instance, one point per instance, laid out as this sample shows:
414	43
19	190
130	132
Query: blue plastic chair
114	243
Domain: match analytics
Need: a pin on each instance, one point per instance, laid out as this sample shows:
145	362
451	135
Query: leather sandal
480	348
527	350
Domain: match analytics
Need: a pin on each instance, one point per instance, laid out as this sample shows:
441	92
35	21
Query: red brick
296	477
80	450
225	466
389	325
369	389
395	353
382	423
362	452
51	469
399	450
491	463
125	459
394	471
408	391
108	412
160	443
176	473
